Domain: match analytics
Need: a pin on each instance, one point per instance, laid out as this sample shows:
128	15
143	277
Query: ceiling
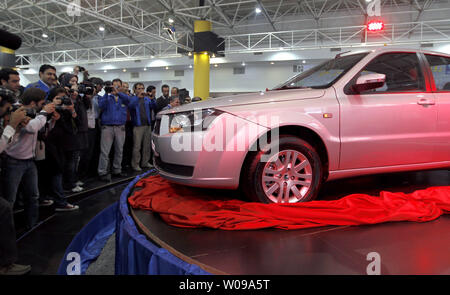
62	31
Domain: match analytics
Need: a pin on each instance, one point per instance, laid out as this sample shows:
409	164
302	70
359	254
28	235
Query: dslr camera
109	87
86	88
65	101
29	112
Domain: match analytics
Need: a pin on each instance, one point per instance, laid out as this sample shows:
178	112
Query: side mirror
369	82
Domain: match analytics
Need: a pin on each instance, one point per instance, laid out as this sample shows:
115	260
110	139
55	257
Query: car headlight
197	120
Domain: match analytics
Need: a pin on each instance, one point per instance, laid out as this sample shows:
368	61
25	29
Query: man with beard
19	166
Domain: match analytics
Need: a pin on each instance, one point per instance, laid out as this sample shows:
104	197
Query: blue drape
89	242
137	255
134	253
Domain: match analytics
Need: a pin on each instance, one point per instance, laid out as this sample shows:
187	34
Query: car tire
252	183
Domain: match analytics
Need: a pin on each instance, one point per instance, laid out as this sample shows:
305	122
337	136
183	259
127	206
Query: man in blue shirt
141	115
47	79
113	117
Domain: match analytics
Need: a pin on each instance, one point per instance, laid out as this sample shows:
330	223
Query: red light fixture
375	26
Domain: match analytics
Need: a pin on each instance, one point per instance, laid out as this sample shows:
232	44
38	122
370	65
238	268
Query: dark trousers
72	159
57	191
86	167
128	146
43	179
8	247
22	172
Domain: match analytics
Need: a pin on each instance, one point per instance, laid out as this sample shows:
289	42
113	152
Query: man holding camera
89	163
8	246
19	166
10	79
113	106
141	114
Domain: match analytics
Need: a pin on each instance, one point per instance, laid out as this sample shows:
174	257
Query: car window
402	70
440	67
325	74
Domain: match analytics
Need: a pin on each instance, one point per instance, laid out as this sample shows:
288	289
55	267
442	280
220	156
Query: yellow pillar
201	64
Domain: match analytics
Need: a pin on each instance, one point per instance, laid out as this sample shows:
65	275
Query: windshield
325	74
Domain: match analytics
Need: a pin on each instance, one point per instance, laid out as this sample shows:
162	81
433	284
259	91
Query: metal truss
127	52
340	37
354	36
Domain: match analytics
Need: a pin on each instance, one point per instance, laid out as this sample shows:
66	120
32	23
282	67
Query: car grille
181	170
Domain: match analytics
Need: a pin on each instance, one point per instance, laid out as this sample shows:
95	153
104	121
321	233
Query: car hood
249	99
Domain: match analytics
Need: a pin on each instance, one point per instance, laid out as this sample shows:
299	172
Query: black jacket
161	103
56	142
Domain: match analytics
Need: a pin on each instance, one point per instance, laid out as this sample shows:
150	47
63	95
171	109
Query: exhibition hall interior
224	137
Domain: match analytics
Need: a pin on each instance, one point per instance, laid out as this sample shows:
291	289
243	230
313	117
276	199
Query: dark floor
45	246
404	247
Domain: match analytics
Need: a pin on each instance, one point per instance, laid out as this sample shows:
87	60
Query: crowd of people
58	132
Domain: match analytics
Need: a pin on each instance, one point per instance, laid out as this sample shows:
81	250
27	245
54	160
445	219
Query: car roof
394	49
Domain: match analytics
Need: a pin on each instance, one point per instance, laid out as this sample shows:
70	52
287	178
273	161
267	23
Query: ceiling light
243	64
258	10
190	53
272	63
152	56
216	65
145	69
105	71
101	28
213	55
304	61
44	35
124	70
167	68
171	21
190	66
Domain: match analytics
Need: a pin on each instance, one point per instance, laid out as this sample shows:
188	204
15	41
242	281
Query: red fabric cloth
189	207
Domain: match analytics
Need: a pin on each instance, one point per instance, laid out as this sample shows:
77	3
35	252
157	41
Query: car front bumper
202	163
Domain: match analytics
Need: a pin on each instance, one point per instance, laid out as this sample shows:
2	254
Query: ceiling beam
117	22
266	14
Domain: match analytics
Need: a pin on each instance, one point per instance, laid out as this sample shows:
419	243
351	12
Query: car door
391	125
439	67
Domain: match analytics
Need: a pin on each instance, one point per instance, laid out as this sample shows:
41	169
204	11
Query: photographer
89	90
78	143
84	73
8	130
8	246
60	129
113	106
19	166
10	79
141	114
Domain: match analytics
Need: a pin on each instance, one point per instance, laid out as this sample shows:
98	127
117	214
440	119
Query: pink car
384	110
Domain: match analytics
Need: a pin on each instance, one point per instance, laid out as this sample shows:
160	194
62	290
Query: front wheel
292	173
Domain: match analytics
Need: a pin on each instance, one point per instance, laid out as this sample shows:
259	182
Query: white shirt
6	136
23	146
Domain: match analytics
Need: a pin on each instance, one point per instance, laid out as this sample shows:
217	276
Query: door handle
426	102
